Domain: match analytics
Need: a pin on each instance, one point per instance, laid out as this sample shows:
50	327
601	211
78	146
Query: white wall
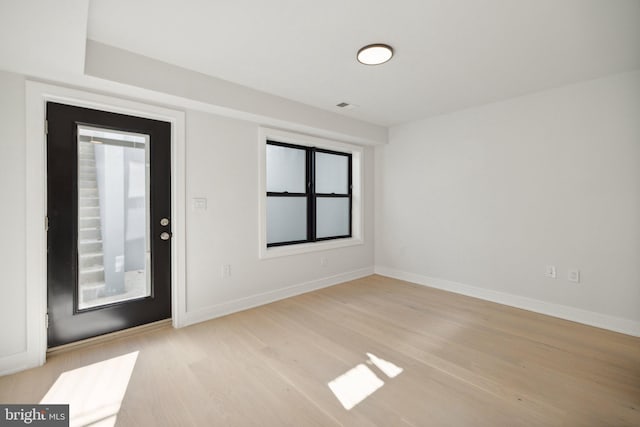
485	198
222	165
12	215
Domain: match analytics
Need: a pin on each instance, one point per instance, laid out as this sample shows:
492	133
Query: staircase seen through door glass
113	217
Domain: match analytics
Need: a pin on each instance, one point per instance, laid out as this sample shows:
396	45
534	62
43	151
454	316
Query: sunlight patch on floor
94	392
355	385
385	366
360	382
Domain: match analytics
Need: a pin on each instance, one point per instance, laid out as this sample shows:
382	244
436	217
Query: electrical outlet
550	271
574	276
324	261
226	270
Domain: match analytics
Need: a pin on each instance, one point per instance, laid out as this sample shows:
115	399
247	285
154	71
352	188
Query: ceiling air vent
346	106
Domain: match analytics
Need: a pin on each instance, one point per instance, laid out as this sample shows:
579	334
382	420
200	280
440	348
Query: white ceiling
42	37
449	54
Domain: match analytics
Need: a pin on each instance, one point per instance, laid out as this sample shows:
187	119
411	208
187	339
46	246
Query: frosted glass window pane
332	216
286	169
332	173
286	219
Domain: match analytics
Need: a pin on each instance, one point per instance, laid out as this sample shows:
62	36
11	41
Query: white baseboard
604	321
15	362
252	301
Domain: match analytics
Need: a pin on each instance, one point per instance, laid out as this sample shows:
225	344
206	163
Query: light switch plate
200	204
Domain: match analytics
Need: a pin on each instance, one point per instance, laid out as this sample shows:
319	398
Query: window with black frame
309	194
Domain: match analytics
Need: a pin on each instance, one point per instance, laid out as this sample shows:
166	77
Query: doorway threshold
101	339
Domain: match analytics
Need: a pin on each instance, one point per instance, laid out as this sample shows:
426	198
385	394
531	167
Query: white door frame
37	95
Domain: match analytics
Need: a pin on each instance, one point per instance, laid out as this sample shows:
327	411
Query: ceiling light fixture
375	54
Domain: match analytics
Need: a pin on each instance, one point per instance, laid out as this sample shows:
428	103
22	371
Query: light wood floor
465	362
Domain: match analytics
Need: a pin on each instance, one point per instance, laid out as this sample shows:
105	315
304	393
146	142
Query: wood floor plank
464	361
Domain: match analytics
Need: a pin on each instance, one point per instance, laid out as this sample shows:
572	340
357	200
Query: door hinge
46	320
46	223
46	127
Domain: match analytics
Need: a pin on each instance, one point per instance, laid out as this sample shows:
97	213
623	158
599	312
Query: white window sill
302	248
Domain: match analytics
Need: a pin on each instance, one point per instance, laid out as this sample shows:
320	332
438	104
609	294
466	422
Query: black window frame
311	195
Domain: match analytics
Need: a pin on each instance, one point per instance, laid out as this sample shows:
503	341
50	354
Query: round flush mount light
375	54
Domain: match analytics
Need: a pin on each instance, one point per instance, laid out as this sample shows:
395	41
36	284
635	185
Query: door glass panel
332	217
332	173
286	219
113	217
286	169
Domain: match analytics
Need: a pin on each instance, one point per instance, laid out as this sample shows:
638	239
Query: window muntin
323	203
